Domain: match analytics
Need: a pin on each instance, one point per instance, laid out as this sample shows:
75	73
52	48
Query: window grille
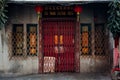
85	39
31	39
17	39
99	39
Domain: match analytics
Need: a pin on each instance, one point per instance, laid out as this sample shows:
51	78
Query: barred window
85	39
31	39
99	39
24	44
17	39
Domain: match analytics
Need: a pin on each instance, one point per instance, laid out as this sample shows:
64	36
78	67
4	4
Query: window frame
103	38
89	37
25	26
28	25
13	38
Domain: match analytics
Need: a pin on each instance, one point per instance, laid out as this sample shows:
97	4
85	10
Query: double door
58	38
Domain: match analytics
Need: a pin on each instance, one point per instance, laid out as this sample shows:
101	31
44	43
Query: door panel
59	43
67	55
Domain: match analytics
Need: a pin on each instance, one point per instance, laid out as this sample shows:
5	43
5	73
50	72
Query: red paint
78	9
65	56
115	57
115	69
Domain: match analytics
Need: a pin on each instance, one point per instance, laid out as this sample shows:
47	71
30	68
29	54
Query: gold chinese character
53	13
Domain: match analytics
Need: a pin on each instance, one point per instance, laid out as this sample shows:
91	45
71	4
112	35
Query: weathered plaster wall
86	62
21	14
93	63
19	65
86	15
1	53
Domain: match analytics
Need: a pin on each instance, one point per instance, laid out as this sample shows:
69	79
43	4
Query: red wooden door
58	37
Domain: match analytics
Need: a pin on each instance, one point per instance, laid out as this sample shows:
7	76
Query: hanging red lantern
38	9
78	9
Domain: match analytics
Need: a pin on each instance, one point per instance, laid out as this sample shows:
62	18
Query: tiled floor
60	76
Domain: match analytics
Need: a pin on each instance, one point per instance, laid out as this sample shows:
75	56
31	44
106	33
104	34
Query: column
39	10
77	9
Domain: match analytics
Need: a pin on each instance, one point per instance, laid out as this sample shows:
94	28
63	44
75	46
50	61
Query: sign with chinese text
58	11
